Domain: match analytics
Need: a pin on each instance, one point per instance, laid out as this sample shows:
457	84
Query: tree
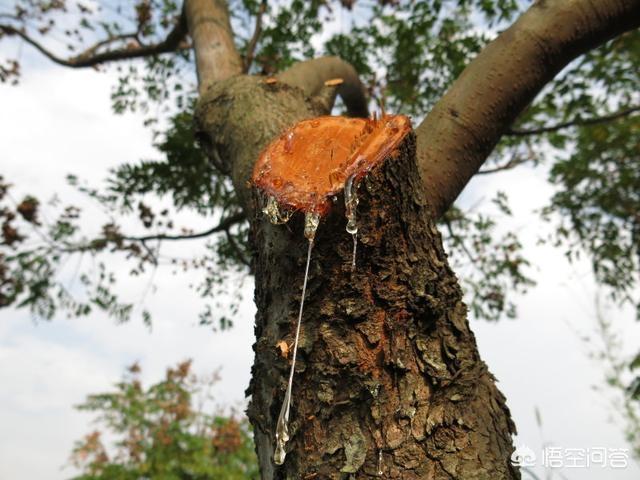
163	432
389	376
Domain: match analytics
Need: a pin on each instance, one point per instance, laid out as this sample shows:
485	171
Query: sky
59	121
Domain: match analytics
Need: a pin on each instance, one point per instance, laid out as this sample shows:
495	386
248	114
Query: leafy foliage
287	34
489	265
163	432
599	203
33	255
184	174
593	163
82	29
410	52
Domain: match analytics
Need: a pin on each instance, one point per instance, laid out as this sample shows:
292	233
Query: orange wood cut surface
309	163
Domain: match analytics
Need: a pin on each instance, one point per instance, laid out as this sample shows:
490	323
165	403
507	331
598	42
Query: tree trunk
388	382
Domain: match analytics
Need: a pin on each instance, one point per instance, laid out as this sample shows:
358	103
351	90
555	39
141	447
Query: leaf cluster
163	432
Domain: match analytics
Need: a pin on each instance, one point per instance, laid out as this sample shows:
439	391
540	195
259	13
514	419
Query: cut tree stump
311	162
388	381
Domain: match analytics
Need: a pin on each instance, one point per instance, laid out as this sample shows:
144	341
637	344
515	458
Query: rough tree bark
388	363
389	376
389	381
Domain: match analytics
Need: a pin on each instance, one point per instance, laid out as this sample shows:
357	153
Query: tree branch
89	58
576	122
460	132
513	162
222	226
251	47
210	28
310	76
460	241
237	249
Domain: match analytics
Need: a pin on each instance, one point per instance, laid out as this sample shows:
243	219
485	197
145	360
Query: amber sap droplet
288	146
311	222
273	212
280	454
351	205
278	182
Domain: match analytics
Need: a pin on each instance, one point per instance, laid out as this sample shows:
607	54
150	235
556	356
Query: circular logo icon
523	456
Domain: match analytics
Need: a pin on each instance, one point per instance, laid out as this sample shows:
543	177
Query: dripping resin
302	171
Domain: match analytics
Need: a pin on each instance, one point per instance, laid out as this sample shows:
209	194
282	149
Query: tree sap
350	205
311	222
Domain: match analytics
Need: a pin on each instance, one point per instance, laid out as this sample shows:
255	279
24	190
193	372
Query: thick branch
216	55
310	76
463	128
89	58
576	122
